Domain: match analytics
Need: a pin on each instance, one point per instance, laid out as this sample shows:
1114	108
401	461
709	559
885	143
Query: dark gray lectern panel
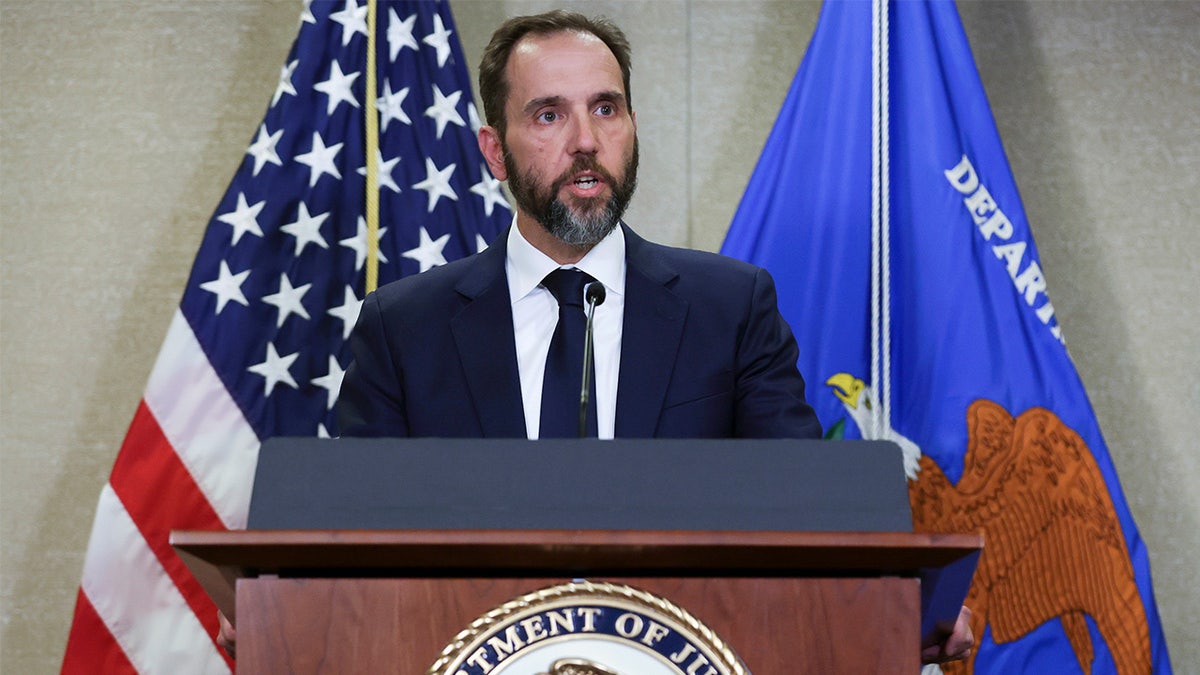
429	483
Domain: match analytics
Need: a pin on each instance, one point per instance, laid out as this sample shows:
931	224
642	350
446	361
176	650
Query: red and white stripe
187	462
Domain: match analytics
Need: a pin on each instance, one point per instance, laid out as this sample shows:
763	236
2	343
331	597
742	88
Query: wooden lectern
389	600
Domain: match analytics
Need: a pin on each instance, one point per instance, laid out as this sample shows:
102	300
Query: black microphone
593	296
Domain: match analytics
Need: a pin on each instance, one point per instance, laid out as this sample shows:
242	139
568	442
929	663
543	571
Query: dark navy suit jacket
704	353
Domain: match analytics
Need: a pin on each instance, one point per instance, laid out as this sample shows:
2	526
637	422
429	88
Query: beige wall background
122	121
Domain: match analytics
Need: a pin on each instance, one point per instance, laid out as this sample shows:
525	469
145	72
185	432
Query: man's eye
548	116
605	110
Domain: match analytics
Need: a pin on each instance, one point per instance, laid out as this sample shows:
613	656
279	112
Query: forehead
565	64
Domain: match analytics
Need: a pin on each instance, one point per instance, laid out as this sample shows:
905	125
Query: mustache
582	163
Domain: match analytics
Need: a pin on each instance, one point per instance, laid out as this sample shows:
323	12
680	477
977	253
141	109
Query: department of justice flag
975	383
257	347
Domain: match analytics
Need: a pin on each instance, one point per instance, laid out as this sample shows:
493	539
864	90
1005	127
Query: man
688	344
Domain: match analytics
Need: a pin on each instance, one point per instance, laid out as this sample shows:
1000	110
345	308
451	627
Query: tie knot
566	285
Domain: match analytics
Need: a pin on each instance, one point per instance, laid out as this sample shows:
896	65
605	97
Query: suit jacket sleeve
371	402
769	400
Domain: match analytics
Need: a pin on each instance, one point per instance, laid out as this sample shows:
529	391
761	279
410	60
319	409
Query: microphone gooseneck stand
593	296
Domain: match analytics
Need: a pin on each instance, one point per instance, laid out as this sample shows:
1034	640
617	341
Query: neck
541	239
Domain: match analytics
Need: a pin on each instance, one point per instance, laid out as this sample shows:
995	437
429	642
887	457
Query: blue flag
948	343
258	345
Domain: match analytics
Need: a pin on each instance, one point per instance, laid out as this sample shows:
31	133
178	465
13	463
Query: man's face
570	147
588	219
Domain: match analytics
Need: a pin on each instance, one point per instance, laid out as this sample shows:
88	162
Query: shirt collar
527	266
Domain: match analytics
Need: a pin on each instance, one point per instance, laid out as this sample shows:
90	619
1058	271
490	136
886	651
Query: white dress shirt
535	314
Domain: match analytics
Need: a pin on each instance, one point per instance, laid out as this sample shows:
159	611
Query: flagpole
879	216
371	207
885	211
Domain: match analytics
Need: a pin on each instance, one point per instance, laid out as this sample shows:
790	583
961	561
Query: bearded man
687	344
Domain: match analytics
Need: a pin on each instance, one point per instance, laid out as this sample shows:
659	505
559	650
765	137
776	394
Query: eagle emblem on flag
1053	545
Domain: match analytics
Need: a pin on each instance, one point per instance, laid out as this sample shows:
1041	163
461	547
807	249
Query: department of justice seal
586	628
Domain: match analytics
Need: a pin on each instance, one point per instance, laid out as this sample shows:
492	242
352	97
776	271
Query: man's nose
584	139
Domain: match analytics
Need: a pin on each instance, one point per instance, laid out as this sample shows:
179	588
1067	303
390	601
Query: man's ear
493	151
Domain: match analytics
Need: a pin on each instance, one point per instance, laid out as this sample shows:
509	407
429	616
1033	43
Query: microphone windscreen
593	293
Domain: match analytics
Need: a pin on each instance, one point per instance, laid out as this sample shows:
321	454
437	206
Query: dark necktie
564	362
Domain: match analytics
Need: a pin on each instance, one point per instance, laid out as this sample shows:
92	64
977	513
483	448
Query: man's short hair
493	86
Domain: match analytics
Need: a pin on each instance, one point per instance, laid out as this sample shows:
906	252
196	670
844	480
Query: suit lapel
483	333
653	327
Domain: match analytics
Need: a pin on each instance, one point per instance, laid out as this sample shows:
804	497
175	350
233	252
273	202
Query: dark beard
595	221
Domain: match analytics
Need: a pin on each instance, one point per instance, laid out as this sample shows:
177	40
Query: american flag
257	347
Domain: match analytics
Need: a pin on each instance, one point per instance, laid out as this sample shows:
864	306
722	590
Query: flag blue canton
279	277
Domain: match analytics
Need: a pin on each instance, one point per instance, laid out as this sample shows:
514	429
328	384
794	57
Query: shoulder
684	269
434	288
432	280
705	261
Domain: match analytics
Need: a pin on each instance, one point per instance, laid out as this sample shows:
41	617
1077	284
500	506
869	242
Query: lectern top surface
717	485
